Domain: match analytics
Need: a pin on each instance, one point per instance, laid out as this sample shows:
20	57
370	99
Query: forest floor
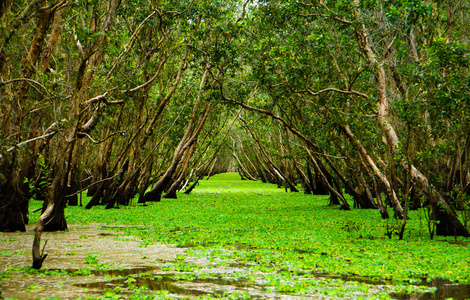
235	239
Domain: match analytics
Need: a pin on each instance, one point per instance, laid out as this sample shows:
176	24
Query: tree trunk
38	257
13	208
389	189
449	223
55	220
155	193
270	162
171	192
211	169
190	135
19	167
242	167
345	205
212	158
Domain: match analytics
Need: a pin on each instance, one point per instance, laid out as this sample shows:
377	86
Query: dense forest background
144	98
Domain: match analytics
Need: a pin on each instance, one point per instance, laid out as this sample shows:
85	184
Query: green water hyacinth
290	243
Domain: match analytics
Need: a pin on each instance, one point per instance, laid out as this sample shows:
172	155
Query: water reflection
124	260
445	290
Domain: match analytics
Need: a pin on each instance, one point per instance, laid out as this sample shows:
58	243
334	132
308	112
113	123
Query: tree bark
449	222
19	167
345	205
171	192
388	187
155	193
190	135
242	167
212	158
268	159
38	257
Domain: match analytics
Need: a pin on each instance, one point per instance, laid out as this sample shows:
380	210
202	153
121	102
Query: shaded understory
237	240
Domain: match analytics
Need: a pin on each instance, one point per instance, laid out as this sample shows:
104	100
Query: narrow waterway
91	259
97	260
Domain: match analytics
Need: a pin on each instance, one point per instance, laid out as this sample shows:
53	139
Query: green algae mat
235	239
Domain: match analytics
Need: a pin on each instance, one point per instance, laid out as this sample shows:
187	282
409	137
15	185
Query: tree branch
22	79
243	11
94	183
32	140
103	140
102	98
349	92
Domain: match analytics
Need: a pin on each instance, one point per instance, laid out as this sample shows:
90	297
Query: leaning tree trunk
57	191
171	192
268	159
242	167
371	164
345	205
364	202
53	217
188	139
13	204
38	255
213	158
449	223
250	165
18	167
190	135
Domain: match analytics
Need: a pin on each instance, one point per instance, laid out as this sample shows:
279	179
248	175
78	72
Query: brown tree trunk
242	167
363	202
171	192
190	135
13	204
251	166
55	34
268	159
56	221
19	166
38	257
213	158
311	178
345	205
188	139
366	157
449	223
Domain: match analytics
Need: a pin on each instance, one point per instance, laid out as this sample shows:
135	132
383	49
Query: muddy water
88	245
70	251
445	290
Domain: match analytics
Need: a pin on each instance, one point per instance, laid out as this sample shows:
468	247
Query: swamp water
98	261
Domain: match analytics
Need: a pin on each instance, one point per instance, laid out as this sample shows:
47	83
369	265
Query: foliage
291	240
276	227
365	97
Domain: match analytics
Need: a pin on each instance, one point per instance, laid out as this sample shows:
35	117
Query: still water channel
74	255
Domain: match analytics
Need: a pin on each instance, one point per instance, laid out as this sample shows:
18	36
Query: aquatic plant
289	243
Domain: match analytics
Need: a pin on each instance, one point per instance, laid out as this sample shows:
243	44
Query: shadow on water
136	266
167	282
112	273
150	283
445	290
175	283
198	287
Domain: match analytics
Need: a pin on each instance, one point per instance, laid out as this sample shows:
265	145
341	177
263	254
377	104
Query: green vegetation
365	102
293	242
293	232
